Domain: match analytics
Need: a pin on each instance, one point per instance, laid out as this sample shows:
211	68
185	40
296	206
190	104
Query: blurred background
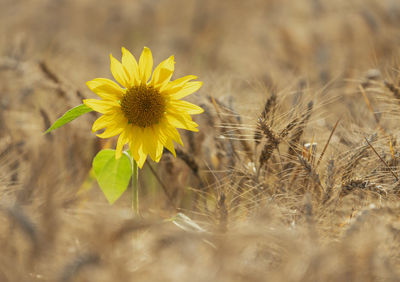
243	51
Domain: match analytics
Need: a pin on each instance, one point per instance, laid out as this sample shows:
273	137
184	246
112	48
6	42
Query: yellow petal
171	132
159	151
136	145
149	142
163	73
134	141
186	107
179	121
145	65
160	139
105	88
170	146
131	66
119	72
177	84
134	151
111	120
166	140
187	89
101	123
122	140
142	158
102	106
111	131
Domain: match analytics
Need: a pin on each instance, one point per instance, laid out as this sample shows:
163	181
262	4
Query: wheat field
293	175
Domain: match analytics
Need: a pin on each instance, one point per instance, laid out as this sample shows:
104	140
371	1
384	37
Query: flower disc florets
143	105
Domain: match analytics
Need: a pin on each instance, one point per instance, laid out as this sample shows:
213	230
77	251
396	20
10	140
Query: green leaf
70	116
112	175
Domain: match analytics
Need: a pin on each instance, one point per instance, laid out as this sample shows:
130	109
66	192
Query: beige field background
278	76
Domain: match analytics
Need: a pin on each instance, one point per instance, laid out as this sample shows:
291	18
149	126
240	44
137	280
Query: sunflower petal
166	140
179	121
171	132
110	132
142	157
101	106
187	89
170	146
122	140
145	65
134	141
177	84
131	66
159	151
101	123
105	88
160	139
119	72
186	107
149	142
136	145
163	73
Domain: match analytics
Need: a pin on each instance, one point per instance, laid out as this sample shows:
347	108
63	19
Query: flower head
145	112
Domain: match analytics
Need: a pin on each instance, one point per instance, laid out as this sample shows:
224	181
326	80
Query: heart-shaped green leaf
112	175
69	116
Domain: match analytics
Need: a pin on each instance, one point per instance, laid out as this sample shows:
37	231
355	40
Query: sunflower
144	112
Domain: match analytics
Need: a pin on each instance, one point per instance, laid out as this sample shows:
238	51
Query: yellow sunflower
144	112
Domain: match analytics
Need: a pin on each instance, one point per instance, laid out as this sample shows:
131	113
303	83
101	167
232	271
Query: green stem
135	190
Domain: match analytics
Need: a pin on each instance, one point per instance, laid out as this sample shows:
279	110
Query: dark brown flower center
143	105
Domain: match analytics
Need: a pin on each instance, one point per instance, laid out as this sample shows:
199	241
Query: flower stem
135	190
